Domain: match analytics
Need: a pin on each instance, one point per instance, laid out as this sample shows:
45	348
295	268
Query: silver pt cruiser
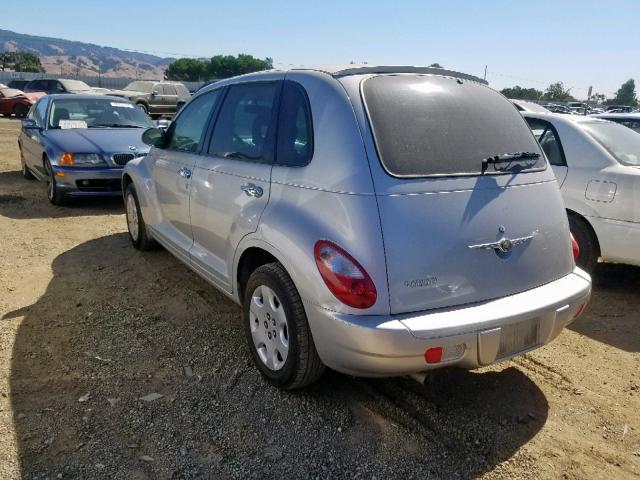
376	220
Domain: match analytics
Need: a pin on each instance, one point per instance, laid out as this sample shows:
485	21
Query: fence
114	83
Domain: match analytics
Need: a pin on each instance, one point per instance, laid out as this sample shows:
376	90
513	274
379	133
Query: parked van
376	220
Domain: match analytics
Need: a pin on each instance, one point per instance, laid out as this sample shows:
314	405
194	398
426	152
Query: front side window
425	125
549	141
56	87
40	112
244	129
621	142
186	131
295	130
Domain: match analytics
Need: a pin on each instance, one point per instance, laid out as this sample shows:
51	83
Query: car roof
338	71
630	116
560	118
367	69
84	96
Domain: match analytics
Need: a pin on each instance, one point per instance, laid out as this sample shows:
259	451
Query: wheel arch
573	213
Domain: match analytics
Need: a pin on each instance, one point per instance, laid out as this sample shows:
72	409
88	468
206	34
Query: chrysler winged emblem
504	245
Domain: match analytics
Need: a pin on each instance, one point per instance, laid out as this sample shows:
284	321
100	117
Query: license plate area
517	337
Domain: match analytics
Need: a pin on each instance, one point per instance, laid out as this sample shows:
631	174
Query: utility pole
485	73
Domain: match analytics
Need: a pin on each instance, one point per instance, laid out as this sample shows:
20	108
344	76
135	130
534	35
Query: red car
16	102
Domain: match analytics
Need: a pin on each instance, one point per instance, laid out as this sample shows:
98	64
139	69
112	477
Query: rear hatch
458	230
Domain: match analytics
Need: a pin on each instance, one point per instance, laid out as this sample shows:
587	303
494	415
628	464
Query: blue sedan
79	144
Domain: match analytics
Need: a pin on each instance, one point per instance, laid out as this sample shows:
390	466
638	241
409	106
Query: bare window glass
244	129
295	132
548	139
169	90
430	125
186	131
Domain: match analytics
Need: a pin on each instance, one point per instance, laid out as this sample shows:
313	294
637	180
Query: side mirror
163	123
30	124
154	93
154	137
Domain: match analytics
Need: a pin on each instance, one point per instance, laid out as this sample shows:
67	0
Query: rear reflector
579	310
433	355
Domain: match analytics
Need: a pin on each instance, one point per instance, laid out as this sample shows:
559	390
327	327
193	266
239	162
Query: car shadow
115	325
27	199
613	315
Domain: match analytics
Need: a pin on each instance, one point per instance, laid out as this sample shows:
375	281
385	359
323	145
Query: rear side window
549	140
169	90
245	127
429	125
295	130
186	131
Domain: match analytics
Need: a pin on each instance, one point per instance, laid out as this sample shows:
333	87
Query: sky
532	44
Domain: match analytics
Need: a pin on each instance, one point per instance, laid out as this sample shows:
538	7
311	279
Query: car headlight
81	160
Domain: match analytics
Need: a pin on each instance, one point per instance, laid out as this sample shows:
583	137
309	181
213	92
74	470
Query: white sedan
597	164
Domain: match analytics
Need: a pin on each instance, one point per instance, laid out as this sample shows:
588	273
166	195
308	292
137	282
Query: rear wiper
508	157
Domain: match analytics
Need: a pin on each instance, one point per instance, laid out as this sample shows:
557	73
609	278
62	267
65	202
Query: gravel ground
122	365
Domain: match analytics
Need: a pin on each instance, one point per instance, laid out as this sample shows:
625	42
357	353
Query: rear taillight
575	248
344	276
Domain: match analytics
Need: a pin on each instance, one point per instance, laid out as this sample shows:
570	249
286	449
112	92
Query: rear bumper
470	335
79	182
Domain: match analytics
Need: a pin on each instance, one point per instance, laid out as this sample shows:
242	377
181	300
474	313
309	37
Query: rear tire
20	110
583	234
135	223
54	194
279	338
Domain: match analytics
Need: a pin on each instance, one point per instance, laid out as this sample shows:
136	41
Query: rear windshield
430	125
620	141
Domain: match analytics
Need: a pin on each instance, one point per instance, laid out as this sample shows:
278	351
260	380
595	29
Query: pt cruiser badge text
421	282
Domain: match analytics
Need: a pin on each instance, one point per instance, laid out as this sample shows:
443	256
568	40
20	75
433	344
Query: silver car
376	220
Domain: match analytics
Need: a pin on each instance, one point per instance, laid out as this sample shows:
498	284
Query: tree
557	93
520	93
626	94
218	67
186	70
20	62
436	65
225	66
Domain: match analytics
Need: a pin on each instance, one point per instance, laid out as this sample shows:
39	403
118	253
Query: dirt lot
89	326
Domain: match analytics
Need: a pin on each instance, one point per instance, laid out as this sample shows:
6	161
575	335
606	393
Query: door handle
185	172
252	190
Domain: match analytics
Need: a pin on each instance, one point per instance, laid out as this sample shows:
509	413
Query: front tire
584	236
54	194
277	330
135	223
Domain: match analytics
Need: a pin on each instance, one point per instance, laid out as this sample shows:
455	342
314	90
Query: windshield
140	87
80	112
76	85
427	125
621	142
